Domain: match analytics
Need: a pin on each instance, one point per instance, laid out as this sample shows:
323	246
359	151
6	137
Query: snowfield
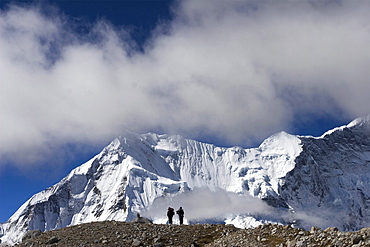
297	180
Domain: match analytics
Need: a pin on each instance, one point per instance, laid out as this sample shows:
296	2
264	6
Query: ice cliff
322	181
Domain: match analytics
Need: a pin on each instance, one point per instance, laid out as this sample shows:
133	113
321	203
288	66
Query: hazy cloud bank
236	70
202	203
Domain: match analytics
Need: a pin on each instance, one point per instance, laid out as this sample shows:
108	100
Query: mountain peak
361	121
282	142
358	123
286	179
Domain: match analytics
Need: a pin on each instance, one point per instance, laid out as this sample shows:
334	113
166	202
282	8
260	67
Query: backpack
170	212
180	212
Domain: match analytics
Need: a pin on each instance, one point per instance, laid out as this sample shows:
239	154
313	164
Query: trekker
181	213
170	214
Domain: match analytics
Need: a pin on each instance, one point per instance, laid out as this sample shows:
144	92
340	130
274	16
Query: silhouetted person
170	214
181	213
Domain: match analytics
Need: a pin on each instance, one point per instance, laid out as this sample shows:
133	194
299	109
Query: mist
203	203
219	205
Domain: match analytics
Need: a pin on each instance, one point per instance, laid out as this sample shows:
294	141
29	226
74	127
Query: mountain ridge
136	173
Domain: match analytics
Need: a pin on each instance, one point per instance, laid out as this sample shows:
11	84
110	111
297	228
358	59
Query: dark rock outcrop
140	219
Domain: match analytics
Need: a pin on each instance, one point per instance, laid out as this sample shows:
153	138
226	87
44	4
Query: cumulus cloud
236	70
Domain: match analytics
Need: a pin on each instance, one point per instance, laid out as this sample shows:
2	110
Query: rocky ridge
115	233
289	180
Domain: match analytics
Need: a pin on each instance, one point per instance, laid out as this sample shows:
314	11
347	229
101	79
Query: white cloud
236	70
202	203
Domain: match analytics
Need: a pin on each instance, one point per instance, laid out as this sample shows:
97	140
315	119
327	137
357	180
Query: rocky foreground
113	233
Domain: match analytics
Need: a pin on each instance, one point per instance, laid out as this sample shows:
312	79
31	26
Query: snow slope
331	178
301	180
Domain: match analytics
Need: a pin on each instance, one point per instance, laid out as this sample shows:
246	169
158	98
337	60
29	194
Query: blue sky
76	74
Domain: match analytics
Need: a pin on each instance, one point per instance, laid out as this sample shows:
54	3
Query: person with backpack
170	214
181	213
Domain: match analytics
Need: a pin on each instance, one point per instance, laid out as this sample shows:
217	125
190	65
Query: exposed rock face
330	181
135	170
307	181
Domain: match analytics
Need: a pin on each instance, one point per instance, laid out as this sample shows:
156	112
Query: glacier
299	180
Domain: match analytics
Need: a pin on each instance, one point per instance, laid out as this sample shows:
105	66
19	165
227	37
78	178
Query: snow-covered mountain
322	181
